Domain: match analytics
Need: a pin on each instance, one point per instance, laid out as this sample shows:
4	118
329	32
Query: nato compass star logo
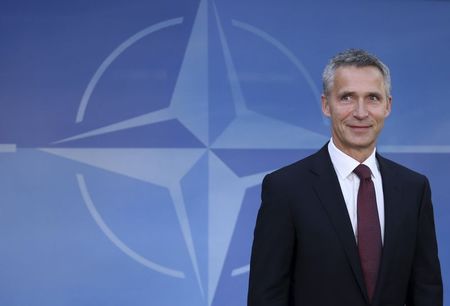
168	167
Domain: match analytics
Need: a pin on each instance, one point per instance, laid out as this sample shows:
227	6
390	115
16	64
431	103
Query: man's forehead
352	76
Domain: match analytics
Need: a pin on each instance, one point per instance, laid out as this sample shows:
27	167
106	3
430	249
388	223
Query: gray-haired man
346	226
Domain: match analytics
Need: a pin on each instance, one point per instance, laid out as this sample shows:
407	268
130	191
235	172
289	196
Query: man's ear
325	106
388	106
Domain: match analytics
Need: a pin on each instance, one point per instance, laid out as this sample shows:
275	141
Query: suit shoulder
298	170
402	170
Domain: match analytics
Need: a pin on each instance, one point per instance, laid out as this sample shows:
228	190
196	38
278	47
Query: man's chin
363	145
362	142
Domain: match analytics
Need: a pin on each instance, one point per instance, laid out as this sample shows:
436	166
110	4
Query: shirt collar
345	164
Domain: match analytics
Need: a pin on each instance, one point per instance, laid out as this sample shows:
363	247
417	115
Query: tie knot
363	172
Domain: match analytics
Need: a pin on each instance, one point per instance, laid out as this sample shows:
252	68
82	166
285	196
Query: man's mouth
359	127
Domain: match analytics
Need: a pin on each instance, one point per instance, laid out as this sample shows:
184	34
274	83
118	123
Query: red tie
369	232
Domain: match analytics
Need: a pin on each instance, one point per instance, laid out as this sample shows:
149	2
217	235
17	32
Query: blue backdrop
134	134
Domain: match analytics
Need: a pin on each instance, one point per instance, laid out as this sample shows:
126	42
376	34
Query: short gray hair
356	58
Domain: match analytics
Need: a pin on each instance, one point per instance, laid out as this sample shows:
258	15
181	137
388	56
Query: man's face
357	105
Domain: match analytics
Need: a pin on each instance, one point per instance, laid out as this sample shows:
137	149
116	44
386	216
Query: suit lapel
392	213
329	191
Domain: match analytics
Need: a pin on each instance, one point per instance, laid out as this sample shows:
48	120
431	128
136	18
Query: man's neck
358	154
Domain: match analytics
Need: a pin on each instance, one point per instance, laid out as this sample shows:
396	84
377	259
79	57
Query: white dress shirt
349	182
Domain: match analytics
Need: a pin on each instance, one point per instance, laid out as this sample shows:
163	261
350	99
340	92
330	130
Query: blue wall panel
134	134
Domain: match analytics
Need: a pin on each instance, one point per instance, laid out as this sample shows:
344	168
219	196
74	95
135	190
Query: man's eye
346	98
374	98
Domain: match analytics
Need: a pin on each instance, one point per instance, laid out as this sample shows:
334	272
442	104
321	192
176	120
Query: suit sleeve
273	249
425	287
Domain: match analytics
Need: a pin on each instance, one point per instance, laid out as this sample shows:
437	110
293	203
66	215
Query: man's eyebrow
345	93
375	93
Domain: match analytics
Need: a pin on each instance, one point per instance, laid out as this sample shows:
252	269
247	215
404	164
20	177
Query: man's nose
360	110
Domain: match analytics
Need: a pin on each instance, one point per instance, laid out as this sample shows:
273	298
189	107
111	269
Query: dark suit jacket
305	253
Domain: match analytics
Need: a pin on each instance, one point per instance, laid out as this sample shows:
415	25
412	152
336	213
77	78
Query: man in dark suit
345	226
